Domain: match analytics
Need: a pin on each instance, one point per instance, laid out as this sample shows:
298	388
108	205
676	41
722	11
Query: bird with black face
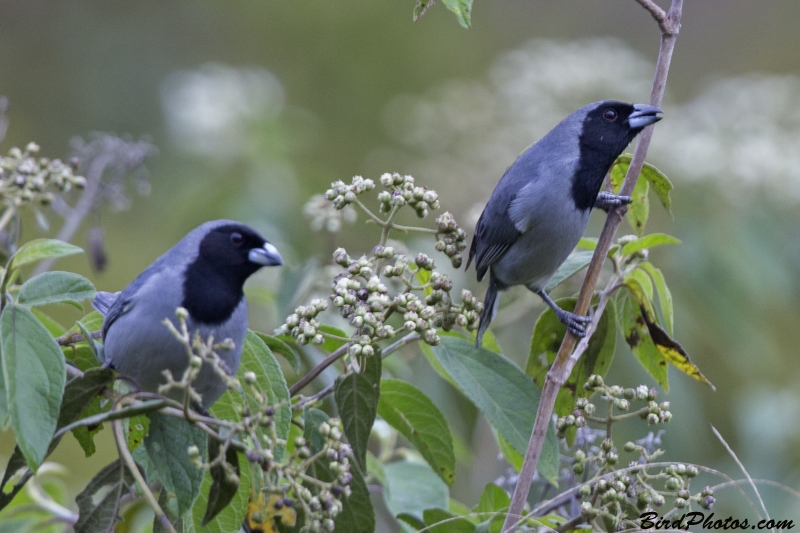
541	206
205	274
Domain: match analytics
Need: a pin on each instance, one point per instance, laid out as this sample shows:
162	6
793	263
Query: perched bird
204	273
541	206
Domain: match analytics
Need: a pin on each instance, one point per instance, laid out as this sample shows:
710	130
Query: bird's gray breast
139	345
550	224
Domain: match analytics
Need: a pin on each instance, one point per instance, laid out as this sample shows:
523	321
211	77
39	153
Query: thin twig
562	366
317	370
85	204
125	455
746	473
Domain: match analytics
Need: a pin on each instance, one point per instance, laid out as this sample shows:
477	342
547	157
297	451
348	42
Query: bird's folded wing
494	235
103	301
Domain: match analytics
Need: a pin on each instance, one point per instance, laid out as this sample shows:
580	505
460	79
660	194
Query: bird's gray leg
606	200
576	324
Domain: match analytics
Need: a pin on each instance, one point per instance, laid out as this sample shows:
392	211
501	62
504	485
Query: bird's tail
490	303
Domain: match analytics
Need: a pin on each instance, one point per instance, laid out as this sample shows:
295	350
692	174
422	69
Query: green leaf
34	374
664	294
661	184
167	442
357	402
331	345
230	518
81	400
169	505
413	487
414	415
313	419
493	499
674	352
222	489
503	393
634	329
421	8
357	514
92	321
56	287
576	262
588	243
648	241
489	343
258	358
78	393
462	9
513	457
548	333
278	346
375	469
441	521
52	325
39	249
97	502
639	209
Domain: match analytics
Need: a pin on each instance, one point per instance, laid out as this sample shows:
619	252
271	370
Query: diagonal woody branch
669	23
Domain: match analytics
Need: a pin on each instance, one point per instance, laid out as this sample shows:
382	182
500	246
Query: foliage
269	455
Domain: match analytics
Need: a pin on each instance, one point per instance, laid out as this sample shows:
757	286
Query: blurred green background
255	106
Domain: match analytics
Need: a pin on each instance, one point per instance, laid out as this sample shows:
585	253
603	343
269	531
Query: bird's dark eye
236	238
610	115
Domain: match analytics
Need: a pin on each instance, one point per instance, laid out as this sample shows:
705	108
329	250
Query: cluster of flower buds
325	502
324	215
402	191
342	194
303	324
451	239
25	179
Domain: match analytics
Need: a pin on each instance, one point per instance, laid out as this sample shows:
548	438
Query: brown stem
317	370
563	364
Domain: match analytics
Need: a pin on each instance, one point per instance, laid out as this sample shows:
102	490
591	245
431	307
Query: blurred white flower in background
213	110
741	133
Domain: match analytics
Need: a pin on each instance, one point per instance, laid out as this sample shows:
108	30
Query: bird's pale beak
267	256
644	115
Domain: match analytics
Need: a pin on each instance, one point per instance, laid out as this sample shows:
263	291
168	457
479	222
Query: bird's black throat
214	281
210	296
601	142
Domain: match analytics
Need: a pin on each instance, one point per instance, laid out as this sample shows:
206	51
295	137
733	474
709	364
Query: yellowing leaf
261	516
674	352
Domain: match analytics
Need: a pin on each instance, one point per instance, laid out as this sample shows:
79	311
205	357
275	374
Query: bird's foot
576	324
607	200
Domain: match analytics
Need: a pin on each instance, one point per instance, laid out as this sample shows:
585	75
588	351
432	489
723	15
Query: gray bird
204	273
541	206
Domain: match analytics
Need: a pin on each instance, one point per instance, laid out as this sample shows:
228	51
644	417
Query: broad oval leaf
258	358
167	442
97	508
660	182
278	346
664	294
408	410
357	402
649	241
34	374
39	249
413	487
548	333
639	209
56	287
462	9
504	394
634	329
576	262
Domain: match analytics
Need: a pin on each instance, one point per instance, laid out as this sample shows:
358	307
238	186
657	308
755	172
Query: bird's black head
608	127
228	254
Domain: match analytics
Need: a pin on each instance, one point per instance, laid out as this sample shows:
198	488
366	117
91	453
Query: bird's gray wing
494	235
103	301
124	301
